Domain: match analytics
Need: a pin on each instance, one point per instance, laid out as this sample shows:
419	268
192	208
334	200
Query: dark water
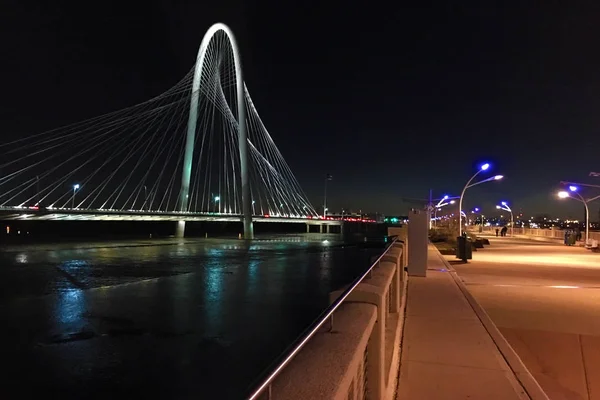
200	319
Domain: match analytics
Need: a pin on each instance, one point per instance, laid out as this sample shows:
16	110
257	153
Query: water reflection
69	306
166	302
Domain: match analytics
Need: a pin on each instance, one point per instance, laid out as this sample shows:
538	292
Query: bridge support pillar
180	230
320	228
242	135
307	228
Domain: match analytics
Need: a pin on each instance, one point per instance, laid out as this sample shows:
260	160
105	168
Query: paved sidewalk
447	353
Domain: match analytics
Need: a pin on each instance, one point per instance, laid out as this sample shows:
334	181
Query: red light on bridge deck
34	208
267	215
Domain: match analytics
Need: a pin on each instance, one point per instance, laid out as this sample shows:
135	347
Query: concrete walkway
545	300
447	352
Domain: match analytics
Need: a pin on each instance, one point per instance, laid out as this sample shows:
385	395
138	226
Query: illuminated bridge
197	152
35	213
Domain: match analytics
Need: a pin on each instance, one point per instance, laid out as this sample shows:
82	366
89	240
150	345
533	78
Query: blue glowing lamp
485	166
573	188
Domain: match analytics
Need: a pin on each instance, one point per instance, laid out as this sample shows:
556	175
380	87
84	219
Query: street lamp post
145	198
328	177
439	207
575	189
464	214
484	167
504	206
217	199
75	188
475	211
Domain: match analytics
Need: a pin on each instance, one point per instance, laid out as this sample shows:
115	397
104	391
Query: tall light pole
328	177
504	206
75	188
464	214
574	189
217	199
484	167
439	207
476	211
431	207
145	197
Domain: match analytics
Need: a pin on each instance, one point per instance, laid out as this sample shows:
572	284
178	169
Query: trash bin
464	249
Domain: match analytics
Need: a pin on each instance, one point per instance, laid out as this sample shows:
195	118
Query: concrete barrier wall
360	357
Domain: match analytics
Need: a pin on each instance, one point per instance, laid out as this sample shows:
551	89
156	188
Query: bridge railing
352	349
545	233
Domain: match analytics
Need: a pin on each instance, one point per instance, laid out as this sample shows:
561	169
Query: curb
524	377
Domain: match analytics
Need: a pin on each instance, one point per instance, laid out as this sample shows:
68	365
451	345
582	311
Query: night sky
390	99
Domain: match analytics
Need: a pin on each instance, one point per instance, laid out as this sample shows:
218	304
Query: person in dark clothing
503	231
578	233
497	230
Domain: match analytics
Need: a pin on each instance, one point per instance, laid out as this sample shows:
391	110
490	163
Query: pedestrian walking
497	230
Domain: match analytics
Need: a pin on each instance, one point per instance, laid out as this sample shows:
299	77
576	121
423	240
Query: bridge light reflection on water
228	304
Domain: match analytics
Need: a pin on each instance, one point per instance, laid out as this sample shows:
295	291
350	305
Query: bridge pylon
242	135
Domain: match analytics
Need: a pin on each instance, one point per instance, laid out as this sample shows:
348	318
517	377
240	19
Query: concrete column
307	228
180	229
417	243
326	228
320	228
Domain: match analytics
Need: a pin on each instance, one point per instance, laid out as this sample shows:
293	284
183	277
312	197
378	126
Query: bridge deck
16	213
